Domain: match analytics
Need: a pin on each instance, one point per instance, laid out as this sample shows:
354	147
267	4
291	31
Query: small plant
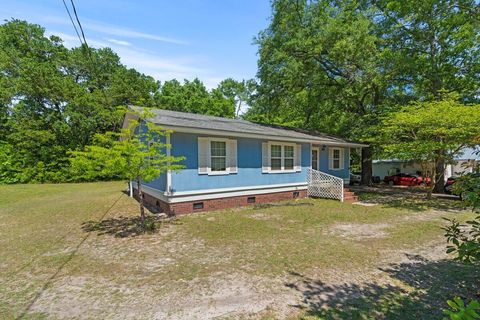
464	240
150	226
459	311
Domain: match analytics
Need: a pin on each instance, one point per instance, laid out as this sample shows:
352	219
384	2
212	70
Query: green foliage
429	132
54	99
194	97
464	240
135	153
460	311
419	130
237	91
337	66
468	187
318	66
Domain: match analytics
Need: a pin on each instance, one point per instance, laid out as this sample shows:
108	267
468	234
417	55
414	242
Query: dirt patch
261	216
359	231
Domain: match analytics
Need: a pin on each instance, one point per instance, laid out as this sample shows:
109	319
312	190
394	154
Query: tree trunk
439	175
366	167
140	200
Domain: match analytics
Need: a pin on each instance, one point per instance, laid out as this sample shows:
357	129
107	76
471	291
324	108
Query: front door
315	153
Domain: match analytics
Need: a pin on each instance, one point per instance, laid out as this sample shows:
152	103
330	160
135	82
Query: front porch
324	185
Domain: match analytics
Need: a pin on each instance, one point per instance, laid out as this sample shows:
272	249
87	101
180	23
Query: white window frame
282	144
340	158
318	157
209	157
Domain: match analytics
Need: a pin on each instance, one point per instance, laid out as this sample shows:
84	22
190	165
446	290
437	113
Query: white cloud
160	67
119	42
127	33
109	29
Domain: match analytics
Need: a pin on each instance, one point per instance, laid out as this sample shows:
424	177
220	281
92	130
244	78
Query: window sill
282	171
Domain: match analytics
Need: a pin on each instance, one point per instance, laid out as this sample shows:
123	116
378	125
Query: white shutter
203	155
342	158
298	157
265	158
330	158
232	156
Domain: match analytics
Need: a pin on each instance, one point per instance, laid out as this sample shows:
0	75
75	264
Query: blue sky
208	39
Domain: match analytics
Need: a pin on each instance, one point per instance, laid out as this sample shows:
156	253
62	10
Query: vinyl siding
249	164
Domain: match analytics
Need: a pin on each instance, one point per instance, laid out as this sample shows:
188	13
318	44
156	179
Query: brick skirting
157	205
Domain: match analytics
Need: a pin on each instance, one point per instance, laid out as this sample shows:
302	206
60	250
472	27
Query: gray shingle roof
179	120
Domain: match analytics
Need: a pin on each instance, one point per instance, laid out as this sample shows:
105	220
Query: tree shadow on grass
413	200
426	287
123	227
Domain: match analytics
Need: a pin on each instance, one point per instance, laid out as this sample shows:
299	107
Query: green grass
49	254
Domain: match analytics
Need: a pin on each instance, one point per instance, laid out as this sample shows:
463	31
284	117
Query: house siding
343	173
249	162
159	183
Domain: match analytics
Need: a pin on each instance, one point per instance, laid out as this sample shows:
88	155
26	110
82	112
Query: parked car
405	179
355	178
448	188
449	185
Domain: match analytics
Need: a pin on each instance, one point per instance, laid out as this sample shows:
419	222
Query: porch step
349	196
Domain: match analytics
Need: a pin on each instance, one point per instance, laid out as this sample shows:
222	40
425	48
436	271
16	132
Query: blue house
232	162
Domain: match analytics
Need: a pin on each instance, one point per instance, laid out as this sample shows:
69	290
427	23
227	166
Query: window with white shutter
217	156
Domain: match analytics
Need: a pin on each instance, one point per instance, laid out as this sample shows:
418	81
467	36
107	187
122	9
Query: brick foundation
157	205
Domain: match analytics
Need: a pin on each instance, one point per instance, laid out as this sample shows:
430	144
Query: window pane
218	164
276	151
336	154
218	148
336	163
288	151
276	164
288	164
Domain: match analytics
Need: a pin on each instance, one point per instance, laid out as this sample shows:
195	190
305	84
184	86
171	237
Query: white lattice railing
323	185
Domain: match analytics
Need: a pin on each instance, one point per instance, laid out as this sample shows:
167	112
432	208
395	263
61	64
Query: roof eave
259	135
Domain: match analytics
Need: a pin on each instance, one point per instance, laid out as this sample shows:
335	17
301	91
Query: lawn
72	251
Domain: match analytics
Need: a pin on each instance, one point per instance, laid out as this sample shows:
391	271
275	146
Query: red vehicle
405	179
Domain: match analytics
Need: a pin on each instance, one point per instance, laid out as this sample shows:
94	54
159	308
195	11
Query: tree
430	132
338	66
136	153
238	91
53	99
194	97
432	46
320	68
464	241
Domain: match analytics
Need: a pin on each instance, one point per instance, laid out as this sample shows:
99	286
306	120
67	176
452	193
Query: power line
78	20
73	23
84	43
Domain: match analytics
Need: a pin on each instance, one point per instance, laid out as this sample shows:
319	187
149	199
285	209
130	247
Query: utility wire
73	23
84	43
78	21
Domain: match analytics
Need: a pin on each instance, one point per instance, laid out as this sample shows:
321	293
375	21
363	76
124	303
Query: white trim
208	194
169	172
209	156
257	136
341	155
318	157
282	156
220	190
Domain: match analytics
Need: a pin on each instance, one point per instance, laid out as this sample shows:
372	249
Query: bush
460	311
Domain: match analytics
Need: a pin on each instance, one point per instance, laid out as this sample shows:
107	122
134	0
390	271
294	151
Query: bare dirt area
310	259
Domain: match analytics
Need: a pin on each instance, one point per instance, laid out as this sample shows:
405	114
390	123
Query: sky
208	39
